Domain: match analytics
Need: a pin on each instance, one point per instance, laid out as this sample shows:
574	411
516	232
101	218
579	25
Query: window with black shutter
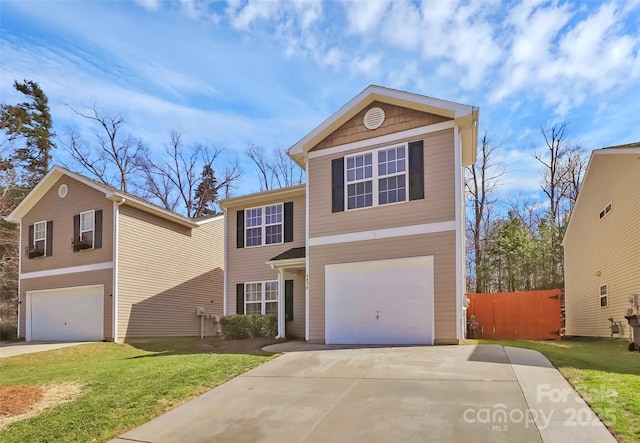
288	222
240	298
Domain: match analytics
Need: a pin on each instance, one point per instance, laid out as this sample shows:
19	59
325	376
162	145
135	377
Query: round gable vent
63	190
374	118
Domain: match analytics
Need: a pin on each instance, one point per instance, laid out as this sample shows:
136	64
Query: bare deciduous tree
175	180
482	179
118	157
274	168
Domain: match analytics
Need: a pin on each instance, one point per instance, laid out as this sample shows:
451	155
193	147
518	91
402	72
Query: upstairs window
40	239
392	174
604	296
264	225
605	211
87	230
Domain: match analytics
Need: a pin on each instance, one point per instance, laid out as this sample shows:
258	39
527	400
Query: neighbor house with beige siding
97	263
371	249
602	244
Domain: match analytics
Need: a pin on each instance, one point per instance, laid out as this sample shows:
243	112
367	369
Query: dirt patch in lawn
22	401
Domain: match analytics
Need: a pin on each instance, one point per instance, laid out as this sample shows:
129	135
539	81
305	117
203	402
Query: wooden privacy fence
532	315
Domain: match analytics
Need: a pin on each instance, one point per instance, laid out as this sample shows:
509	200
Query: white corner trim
69	270
19	271
307	252
402	231
225	271
389	138
460	233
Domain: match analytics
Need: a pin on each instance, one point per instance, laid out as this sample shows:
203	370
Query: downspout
116	268
19	276
307	252
460	232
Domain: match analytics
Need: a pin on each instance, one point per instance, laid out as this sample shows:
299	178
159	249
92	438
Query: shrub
247	326
8	332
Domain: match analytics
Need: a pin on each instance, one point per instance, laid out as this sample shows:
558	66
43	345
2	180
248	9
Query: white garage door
380	302
68	314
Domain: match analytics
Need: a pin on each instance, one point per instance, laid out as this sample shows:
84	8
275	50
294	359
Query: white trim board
428	228
69	270
383	139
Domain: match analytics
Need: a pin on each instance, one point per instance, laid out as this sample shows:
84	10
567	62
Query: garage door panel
382	301
67	314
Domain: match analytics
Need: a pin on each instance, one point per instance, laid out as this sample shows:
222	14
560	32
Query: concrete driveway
21	348
413	394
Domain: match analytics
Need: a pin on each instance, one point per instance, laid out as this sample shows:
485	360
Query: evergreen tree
206	193
29	122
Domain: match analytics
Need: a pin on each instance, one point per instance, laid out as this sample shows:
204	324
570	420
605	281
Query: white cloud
150	5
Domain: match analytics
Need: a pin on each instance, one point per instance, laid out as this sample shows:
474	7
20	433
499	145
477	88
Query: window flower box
79	245
33	253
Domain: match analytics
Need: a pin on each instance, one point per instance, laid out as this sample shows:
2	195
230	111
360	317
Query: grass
605	374
124	385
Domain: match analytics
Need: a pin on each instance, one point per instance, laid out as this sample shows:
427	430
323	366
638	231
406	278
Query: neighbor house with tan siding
602	244
97	263
372	247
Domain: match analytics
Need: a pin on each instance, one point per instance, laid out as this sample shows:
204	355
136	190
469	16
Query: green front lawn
123	386
603	371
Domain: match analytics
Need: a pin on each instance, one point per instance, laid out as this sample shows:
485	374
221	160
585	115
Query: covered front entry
292	261
380	302
66	314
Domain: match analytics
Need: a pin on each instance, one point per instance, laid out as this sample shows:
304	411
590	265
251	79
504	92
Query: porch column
281	319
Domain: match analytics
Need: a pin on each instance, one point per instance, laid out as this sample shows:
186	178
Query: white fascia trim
225	270
616	151
69	270
383	139
209	220
306	255
401	231
19	272
460	231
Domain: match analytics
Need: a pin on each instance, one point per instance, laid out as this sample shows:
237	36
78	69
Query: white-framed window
604	296
376	177
605	211
261	298
87	226
40	236
264	225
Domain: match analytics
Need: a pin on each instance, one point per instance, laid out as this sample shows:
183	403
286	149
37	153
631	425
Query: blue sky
230	73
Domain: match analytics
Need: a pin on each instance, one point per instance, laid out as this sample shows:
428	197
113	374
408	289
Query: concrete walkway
481	393
21	348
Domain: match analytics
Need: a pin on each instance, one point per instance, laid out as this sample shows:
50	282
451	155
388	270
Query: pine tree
29	122
206	193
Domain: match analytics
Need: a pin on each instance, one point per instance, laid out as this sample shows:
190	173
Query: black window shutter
76	227
288	300
240	229
30	246
337	185
49	246
240	298
416	170
98	230
288	222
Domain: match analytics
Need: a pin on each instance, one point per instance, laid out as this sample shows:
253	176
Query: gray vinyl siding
101	277
599	252
437	206
249	264
440	245
165	272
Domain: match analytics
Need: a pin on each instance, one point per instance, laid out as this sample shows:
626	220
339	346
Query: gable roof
627	149
110	193
465	116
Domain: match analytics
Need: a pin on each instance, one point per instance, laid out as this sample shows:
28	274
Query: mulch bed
16	400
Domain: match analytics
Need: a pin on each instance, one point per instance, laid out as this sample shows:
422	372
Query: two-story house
371	249
602	244
97	263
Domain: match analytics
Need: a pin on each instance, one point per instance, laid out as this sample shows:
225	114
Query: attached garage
380	302
66	314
